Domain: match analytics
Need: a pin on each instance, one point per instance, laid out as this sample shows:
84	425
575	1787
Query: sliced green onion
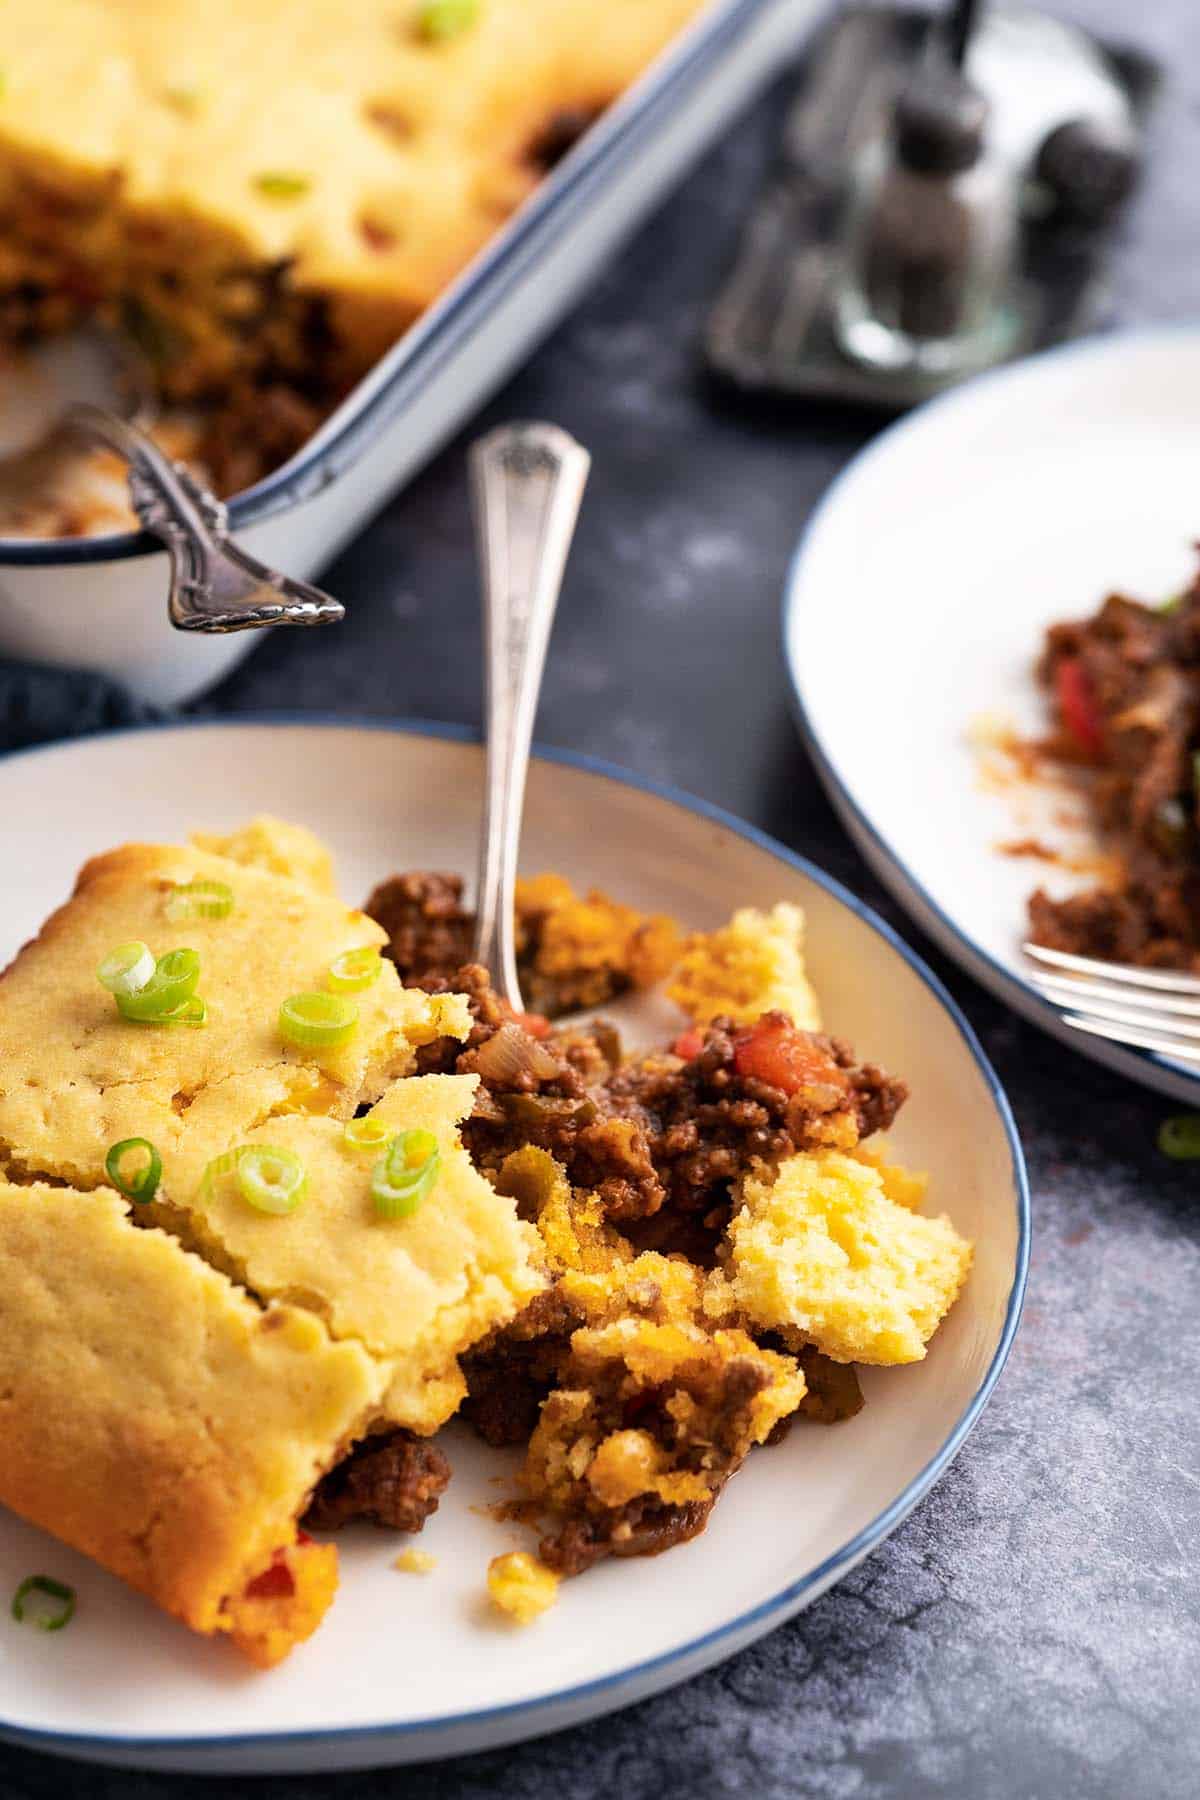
127	969
172	983
192	1011
440	19
142	1185
1196	770
1173	604
221	1165
317	1021
282	184
199	900
366	1134
270	1180
48	1589
354	970
1179	1138
401	1179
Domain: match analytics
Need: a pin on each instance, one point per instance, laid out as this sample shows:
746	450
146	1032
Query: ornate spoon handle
215	584
527	484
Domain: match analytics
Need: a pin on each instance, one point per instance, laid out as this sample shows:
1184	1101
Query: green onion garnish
270	1180
317	1021
1179	1138
401	1179
127	969
141	1185
440	19
169	987
354	970
192	1011
48	1589
280	184
199	900
366	1134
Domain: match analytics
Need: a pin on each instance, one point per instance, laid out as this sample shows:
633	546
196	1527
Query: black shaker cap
1090	166
938	125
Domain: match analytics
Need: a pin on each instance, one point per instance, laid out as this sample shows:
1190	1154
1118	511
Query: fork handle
216	586
527	482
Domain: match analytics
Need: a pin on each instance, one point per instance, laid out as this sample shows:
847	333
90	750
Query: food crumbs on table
415	1562
521	1586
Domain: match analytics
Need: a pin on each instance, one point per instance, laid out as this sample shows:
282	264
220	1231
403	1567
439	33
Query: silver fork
1150	1009
527	484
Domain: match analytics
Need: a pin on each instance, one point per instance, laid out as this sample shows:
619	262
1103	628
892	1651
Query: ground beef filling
394	1479
664	1131
1125	688
510	1372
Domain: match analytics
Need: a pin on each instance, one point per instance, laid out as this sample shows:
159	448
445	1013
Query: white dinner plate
916	605
404	1666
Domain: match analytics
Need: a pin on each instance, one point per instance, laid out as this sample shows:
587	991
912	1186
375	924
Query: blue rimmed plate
915	609
406	1668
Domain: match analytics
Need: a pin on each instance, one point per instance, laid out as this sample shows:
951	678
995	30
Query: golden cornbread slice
76	1077
416	1292
155	1418
276	845
753	965
819	1253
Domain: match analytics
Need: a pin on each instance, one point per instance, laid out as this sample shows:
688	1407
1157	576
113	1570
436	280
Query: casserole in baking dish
98	601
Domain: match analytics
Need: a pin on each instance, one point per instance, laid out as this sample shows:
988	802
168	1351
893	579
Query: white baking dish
99	603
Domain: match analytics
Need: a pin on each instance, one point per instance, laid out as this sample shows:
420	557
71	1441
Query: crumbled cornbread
907	1187
521	1586
570	1221
415	1562
819	1253
655	1408
581	951
276	846
753	965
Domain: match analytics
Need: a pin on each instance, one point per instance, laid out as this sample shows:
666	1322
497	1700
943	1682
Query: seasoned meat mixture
1125	689
395	1479
572	950
636	1388
669	1129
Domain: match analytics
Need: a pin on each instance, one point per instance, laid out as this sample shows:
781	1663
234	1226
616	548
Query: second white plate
917	602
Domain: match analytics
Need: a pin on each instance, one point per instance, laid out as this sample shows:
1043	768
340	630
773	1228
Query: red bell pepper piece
1077	705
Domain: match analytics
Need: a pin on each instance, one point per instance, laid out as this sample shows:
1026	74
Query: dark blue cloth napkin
39	704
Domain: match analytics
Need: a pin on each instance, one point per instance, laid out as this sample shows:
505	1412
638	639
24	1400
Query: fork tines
1151	1009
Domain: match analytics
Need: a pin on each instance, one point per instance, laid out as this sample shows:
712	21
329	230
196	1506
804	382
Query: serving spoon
215	585
527	482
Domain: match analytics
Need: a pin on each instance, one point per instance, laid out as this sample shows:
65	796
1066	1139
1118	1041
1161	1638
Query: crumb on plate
521	1586
415	1562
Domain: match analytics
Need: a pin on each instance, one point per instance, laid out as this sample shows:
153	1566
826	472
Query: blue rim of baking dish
407	369
918	902
780	1607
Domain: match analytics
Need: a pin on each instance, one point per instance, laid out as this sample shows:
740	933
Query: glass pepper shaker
930	236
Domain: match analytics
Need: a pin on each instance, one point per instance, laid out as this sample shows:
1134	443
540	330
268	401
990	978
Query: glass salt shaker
930	237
